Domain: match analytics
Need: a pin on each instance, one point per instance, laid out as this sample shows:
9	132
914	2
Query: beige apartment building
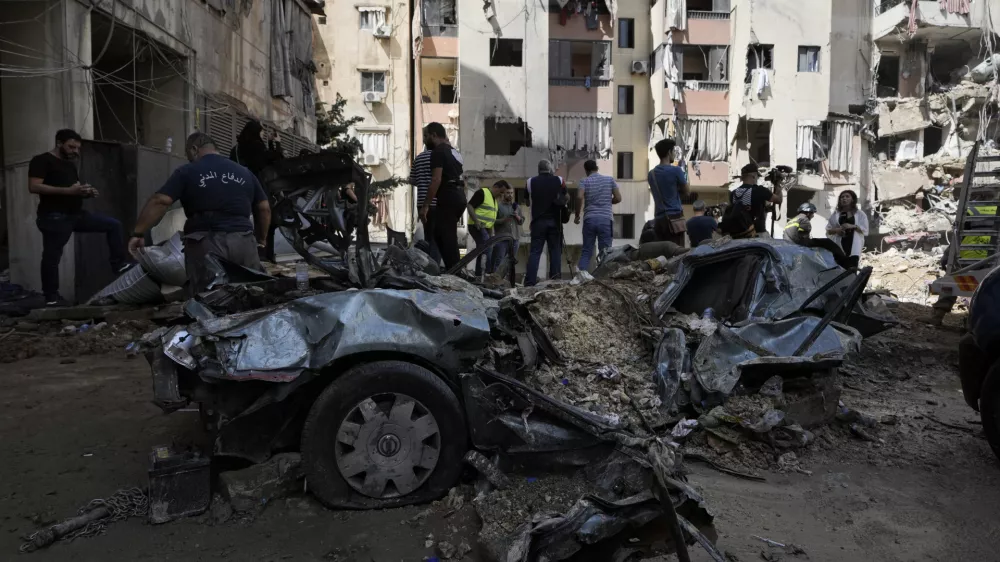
362	52
514	82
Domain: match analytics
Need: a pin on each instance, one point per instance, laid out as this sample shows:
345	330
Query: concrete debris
252	488
906	275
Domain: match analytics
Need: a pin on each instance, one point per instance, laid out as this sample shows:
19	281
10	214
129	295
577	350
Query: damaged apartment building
516	82
134	78
780	82
936	93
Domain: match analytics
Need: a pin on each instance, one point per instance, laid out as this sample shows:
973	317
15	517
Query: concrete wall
507	93
850	53
786	24
348	50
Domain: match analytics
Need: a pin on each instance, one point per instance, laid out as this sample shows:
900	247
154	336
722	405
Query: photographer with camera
746	215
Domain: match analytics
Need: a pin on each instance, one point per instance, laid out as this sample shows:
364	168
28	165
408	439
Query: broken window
719	6
625	166
888	76
809	59
505	138
626	33
579	60
373	82
754	137
626	100
440	17
437	79
505	52
811	145
624	226
702	62
371	18
759	56
933	139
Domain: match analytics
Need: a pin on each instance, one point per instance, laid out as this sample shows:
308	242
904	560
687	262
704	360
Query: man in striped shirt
597	194
420	177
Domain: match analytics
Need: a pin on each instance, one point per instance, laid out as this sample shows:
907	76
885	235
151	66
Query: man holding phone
53	176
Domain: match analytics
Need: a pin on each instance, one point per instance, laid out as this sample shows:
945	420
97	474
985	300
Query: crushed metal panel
447	329
720	359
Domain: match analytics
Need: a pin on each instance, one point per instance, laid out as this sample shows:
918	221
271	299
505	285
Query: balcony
574	97
933	23
698	98
699	15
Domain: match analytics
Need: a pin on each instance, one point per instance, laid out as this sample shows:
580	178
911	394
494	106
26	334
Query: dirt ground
926	491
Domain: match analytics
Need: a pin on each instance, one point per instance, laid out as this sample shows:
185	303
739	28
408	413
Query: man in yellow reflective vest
482	216
799	229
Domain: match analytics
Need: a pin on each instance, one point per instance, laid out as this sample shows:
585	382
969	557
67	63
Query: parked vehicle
979	357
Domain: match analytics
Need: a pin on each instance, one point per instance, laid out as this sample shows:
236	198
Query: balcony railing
698	15
704	85
594	82
440	30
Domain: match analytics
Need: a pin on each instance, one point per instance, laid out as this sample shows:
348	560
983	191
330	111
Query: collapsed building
936	94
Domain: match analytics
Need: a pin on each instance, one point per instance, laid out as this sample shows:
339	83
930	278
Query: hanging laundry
955	6
591	17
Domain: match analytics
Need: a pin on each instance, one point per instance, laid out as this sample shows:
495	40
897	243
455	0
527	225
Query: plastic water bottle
170	144
708	314
302	276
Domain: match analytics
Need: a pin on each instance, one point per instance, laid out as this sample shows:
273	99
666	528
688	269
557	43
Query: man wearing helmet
799	229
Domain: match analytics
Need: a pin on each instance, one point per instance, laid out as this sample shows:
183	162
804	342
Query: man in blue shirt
597	194
218	196
701	226
667	184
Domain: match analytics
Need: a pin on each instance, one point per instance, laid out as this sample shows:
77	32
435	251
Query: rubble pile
907	274
22	339
608	364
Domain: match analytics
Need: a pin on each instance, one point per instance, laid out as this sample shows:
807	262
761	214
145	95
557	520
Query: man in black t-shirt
448	189
218	196
54	178
755	197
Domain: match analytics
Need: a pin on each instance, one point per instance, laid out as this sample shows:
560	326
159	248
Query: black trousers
443	224
56	228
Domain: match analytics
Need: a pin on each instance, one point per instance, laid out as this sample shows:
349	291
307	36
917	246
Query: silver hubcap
387	445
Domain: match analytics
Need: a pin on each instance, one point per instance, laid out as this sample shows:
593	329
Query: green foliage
333	132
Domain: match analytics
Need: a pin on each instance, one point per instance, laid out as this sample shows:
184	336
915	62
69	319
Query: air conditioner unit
371	160
640	67
382	32
373	97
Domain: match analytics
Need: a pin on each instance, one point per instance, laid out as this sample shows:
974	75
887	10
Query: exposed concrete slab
907	116
896	183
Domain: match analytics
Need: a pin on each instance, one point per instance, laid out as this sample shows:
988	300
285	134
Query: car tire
989	407
360	420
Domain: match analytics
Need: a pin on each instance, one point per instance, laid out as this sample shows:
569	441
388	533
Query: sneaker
56	301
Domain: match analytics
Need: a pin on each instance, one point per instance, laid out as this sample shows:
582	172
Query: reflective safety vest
794	232
979	253
486	212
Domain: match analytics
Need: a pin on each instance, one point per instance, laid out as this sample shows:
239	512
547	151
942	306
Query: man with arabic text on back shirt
218	196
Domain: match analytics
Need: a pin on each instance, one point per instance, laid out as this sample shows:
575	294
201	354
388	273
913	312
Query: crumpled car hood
446	329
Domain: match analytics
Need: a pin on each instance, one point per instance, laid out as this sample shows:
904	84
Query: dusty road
78	431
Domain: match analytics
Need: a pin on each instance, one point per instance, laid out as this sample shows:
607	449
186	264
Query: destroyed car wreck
385	391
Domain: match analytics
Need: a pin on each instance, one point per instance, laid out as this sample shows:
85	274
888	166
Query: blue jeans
600	229
481	235
544	231
56	228
500	252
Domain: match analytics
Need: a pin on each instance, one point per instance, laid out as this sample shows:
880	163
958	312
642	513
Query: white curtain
589	132
375	142
807	139
841	143
703	139
670	69
372	17
676	14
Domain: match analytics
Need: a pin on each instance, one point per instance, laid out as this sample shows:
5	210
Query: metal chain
125	503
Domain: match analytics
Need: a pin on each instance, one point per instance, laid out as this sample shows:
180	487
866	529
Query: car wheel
989	407
384	434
